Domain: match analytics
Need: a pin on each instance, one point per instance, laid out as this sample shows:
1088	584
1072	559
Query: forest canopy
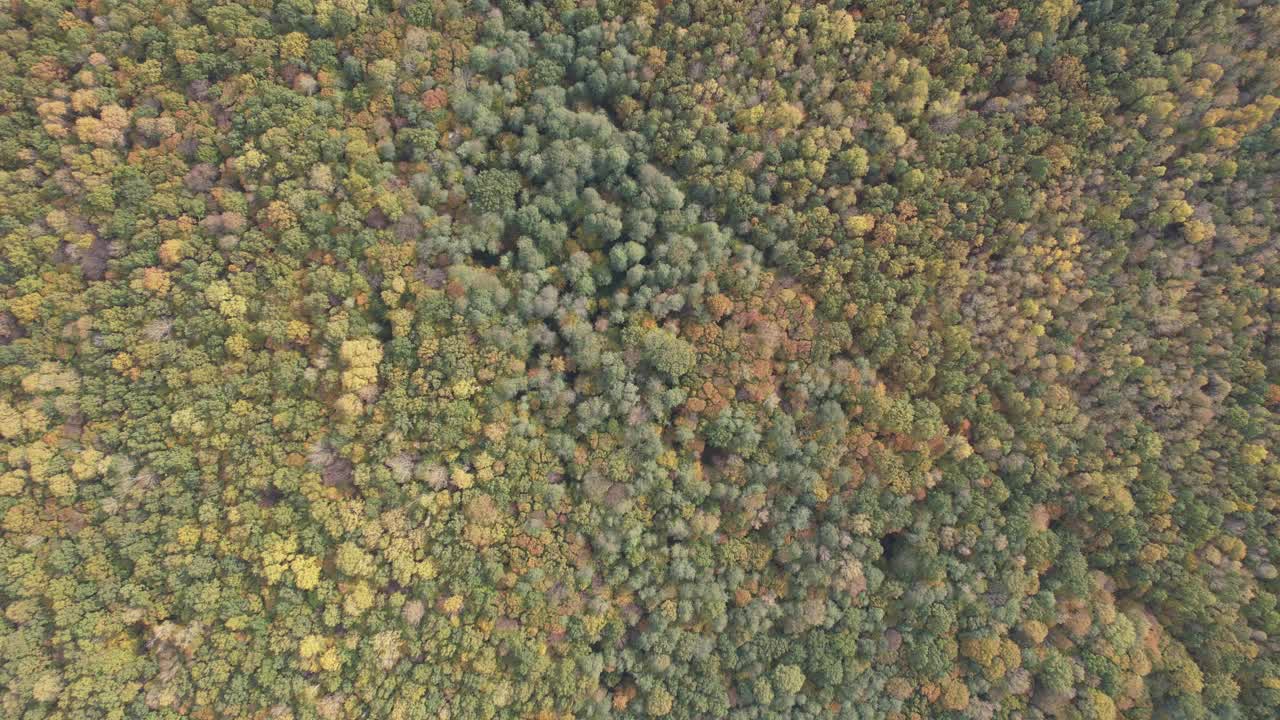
672	359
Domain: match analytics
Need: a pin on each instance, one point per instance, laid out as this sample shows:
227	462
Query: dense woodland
434	359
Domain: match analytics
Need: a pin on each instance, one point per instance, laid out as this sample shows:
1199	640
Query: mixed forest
689	359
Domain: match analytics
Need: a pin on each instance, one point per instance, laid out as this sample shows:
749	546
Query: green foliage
493	190
639	359
667	353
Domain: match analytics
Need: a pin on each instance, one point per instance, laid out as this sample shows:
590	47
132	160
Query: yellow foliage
293	46
280	216
955	694
299	331
465	388
785	116
982	650
47	688
26	307
10	421
359	599
11	483
361	358
461	478
1034	630
1197	231
115	117
171	252
306	572
19	519
1100	706
62	486
452	605
1153	552
349	406
660	702
233	307
860	224
251	160
276	558
1180	210
1254	453
311	646
237	345
843	26
330	661
155	280
188	535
